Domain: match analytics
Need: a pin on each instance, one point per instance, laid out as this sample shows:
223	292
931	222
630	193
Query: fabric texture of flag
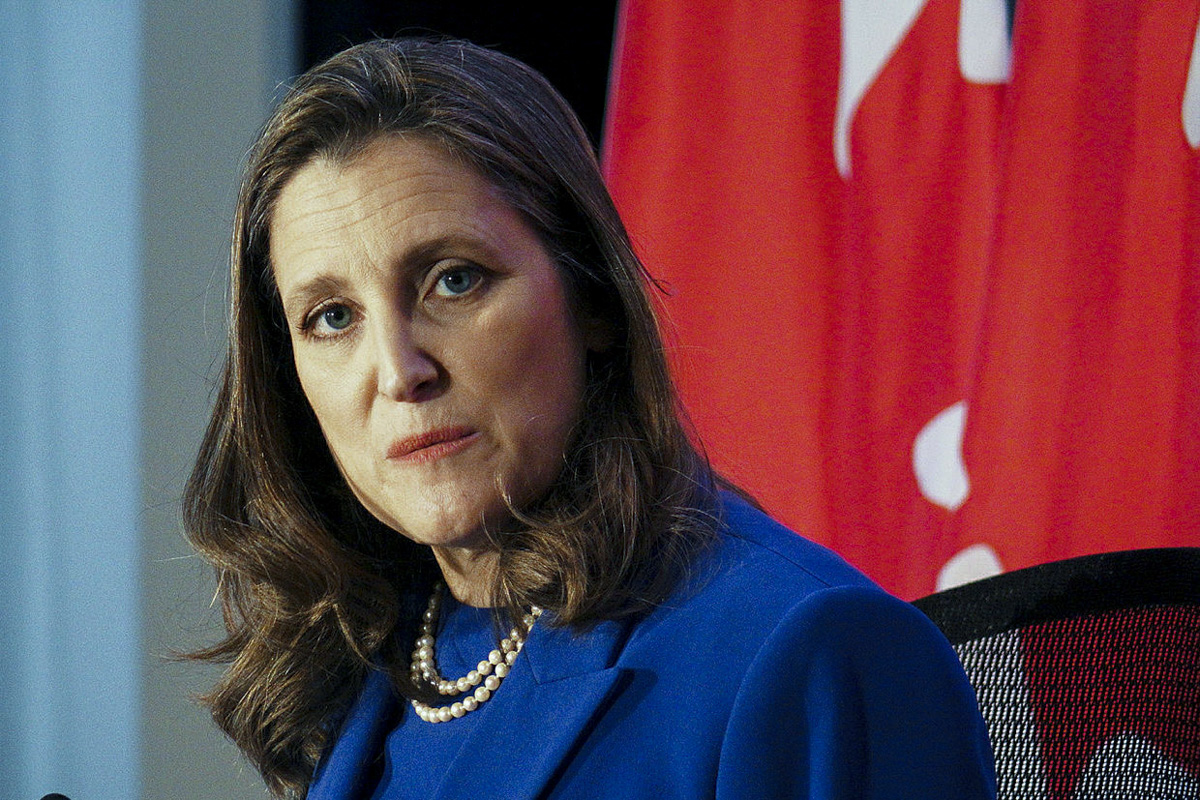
931	291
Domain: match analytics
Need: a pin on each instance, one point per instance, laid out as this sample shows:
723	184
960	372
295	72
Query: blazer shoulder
752	577
752	542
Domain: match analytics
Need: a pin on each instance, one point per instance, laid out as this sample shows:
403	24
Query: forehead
365	183
396	190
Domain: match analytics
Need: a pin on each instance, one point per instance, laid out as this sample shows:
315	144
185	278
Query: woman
446	445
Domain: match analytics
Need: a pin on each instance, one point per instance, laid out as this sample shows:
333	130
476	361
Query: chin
449	527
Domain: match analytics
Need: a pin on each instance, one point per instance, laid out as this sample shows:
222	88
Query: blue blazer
775	671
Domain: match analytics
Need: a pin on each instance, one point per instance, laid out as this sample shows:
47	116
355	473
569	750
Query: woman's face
433	337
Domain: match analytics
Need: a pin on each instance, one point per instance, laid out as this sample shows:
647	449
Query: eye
337	318
330	320
457	281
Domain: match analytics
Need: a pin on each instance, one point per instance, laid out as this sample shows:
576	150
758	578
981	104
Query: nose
406	372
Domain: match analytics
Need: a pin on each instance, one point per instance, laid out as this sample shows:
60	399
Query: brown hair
315	592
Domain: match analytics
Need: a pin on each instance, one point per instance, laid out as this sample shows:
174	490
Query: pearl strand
491	672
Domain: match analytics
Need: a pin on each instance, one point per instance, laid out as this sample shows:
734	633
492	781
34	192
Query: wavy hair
315	592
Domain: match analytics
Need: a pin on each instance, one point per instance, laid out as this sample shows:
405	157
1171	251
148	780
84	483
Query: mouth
431	445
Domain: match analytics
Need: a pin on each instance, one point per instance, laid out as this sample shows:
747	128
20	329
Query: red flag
775	163
1083	421
871	241
918	207
719	155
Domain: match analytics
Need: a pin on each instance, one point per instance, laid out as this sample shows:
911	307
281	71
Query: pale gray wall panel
70	398
212	69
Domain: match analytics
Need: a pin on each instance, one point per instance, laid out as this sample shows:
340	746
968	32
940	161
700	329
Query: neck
470	574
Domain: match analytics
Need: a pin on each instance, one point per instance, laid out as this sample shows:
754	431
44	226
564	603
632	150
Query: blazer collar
535	719
344	767
538	715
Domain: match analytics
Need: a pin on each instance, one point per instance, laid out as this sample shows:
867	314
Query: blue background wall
120	139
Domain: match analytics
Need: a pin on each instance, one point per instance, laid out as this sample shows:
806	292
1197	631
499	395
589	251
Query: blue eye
336	317
457	281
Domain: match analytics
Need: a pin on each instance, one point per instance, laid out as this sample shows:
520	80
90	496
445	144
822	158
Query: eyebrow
448	244
302	295
326	283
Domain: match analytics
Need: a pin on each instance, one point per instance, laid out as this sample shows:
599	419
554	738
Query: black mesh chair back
1087	672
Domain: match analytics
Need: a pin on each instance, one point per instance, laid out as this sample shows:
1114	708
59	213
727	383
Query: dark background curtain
570	43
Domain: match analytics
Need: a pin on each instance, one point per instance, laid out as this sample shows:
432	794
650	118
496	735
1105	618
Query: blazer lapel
557	684
342	771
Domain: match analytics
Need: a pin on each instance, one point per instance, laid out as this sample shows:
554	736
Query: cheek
529	365
551	360
310	386
329	401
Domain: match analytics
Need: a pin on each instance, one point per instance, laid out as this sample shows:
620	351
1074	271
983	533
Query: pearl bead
491	671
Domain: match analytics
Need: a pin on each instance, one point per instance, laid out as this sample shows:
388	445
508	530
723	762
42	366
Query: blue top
416	753
775	671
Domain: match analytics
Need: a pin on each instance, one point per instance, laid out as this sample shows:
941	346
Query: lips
431	445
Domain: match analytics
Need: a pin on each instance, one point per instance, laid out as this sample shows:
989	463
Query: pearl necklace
490	672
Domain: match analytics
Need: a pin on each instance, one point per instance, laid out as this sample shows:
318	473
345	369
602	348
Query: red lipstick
431	445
